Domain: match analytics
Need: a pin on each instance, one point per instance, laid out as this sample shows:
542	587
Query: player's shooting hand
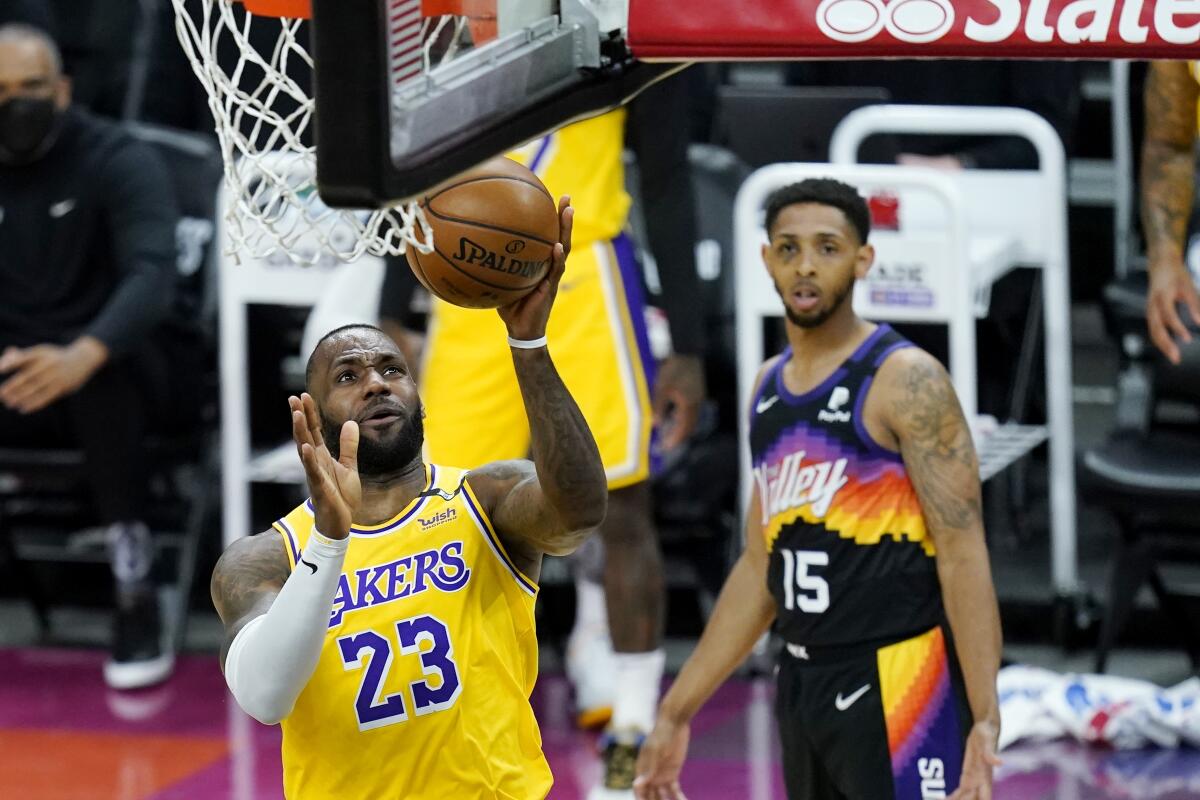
661	760
526	318
45	373
978	762
1170	285
333	484
678	396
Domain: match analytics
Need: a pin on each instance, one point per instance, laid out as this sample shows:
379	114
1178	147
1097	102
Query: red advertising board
783	29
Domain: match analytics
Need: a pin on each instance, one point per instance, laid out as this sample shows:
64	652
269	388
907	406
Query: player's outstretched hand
526	319
660	762
1170	286
978	763
333	484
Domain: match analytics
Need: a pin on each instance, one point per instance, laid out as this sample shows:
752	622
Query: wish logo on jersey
443	516
443	569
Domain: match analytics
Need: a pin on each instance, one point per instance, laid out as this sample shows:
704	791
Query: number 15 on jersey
801	588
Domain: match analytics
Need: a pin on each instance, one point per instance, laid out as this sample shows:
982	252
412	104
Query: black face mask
28	126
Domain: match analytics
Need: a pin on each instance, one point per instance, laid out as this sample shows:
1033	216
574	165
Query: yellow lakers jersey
583	160
422	688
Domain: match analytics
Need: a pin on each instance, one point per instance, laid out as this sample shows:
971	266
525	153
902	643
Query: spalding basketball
494	230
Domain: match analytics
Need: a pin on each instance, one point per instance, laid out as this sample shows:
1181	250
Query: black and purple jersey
850	558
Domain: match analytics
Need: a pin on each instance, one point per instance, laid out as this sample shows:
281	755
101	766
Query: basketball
494	230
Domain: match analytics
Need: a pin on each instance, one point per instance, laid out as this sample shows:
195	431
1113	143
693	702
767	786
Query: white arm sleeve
273	656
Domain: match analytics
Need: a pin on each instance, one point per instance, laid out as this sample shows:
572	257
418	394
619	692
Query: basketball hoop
254	62
335	116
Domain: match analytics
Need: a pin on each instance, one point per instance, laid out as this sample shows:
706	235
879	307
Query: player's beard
816	320
386	454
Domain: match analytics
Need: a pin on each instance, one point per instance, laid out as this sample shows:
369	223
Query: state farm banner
783	29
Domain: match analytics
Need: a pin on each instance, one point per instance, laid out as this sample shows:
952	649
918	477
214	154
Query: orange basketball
494	230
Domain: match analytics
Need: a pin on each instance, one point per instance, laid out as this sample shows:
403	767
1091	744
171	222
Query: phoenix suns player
864	546
387	622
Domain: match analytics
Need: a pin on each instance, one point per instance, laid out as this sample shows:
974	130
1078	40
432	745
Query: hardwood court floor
64	736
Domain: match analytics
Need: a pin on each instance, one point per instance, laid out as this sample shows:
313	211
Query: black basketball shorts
876	724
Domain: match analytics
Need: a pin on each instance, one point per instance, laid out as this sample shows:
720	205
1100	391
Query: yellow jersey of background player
388	622
597	328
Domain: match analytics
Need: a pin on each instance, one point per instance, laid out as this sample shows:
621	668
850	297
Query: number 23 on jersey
371	651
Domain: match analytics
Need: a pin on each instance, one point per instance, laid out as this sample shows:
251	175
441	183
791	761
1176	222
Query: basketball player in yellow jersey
599	334
387	622
1168	187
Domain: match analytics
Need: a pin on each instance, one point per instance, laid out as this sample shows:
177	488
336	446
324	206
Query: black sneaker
138	657
619	750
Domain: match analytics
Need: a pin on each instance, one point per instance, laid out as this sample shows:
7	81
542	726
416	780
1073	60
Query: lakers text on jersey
422	687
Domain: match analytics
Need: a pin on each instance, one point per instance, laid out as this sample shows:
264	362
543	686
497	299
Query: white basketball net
263	116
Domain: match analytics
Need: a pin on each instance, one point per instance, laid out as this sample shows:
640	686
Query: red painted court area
64	736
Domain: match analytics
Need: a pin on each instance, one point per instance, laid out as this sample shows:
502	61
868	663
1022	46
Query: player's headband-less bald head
21	32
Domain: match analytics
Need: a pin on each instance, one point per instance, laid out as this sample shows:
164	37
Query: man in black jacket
87	247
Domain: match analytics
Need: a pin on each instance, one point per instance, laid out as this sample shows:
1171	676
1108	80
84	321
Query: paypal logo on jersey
792	484
443	569
838	398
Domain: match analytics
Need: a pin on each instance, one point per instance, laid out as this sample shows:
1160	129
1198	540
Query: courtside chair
1146	474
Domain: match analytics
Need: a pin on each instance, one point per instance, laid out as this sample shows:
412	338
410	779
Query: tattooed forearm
936	445
1168	161
568	462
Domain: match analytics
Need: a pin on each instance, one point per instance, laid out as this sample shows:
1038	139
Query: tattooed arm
923	413
276	617
554	504
1168	174
246	580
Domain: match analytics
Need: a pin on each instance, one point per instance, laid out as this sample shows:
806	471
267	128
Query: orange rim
480	14
301	9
